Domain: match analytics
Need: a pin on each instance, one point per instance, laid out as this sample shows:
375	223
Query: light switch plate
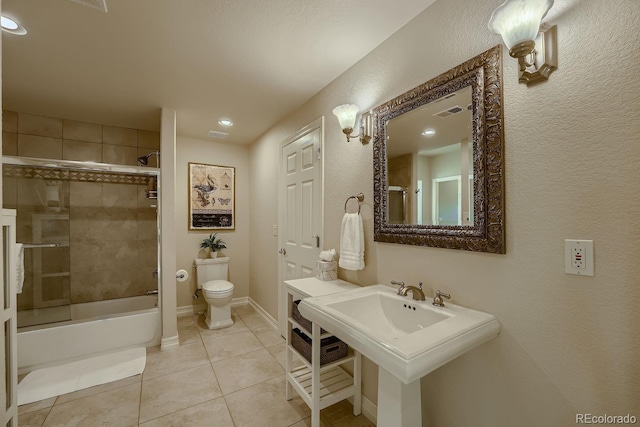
274	230
578	257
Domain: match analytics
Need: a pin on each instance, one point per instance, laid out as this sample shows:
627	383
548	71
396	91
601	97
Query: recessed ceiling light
11	26
225	122
429	132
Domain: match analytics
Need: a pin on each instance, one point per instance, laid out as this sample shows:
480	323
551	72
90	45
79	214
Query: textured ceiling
253	61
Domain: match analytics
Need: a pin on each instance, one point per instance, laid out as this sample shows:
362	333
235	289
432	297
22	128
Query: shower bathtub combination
89	258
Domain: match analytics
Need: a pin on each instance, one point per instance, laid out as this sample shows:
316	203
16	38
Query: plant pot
213	254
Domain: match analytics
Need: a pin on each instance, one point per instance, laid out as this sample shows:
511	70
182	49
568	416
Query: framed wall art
212	191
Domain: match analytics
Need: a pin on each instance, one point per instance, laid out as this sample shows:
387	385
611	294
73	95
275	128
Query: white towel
19	267
351	242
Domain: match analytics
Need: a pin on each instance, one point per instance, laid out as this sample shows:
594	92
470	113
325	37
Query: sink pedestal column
399	404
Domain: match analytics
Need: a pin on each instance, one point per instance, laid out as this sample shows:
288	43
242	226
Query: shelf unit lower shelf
335	385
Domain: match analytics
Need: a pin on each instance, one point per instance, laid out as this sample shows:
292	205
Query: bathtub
94	329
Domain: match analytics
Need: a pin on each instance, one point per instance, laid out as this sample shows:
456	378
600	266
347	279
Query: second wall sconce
535	46
347	115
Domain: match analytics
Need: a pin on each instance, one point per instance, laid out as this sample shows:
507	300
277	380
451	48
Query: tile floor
222	378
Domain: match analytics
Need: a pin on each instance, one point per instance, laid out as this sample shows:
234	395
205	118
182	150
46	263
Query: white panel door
300	209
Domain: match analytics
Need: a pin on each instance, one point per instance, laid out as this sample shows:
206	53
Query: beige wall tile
81	131
147	281
80	150
119	155
147	251
9	144
9	193
147	224
120	196
39	146
85	194
9	121
29	124
149	139
119	136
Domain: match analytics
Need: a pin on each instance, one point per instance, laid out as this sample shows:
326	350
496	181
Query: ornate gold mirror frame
483	74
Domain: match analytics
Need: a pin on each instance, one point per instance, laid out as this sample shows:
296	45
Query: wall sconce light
535	46
346	115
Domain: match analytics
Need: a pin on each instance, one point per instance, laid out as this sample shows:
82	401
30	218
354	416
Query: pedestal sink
406	338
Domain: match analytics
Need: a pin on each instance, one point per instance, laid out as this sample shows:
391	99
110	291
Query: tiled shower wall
50	138
111	228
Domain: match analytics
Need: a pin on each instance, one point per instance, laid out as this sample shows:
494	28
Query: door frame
282	293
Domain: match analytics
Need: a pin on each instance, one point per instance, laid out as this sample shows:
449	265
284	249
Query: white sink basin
407	338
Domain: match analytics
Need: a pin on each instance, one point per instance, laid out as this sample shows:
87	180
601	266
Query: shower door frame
102	167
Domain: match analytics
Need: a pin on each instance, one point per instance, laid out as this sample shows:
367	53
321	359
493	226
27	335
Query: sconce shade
518	22
346	115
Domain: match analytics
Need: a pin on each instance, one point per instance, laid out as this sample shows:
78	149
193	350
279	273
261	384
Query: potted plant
214	244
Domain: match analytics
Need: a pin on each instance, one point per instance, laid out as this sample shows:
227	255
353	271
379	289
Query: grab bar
40	245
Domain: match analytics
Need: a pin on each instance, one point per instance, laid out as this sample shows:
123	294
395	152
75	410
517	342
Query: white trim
167	222
266	316
369	409
190	310
281	323
240	301
170	342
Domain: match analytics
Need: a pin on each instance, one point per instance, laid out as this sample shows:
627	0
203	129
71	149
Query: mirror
438	160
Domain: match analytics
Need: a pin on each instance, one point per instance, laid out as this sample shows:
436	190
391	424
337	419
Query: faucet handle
437	300
398	282
420	285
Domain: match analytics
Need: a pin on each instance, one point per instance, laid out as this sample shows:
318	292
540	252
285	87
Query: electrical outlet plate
578	257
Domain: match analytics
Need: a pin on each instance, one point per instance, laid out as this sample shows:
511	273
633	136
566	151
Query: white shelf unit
319	386
38	221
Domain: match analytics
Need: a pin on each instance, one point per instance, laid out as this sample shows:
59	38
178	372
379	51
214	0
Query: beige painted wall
188	241
568	344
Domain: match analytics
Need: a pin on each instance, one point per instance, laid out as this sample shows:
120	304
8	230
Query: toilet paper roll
182	276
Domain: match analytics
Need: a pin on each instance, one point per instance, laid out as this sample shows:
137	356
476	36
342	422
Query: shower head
144	160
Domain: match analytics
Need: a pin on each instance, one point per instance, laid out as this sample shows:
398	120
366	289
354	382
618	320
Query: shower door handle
40	245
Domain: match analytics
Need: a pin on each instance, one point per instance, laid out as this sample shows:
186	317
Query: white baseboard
190	310
266	316
167	343
239	301
369	409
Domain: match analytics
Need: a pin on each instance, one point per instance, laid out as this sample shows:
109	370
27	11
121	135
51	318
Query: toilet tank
211	269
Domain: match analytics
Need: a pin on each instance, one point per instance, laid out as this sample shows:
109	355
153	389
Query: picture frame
212	191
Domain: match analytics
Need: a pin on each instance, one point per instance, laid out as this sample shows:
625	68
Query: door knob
283	251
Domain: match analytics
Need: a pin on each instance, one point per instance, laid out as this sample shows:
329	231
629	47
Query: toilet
212	277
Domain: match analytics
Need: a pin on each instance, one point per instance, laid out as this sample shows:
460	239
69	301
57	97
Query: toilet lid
218	286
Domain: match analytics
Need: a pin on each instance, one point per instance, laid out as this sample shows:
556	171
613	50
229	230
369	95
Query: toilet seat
218	288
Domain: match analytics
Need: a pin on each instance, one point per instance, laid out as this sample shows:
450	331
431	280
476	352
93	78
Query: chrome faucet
437	300
397	282
416	292
151	292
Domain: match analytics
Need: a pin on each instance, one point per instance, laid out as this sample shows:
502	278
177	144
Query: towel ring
359	198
